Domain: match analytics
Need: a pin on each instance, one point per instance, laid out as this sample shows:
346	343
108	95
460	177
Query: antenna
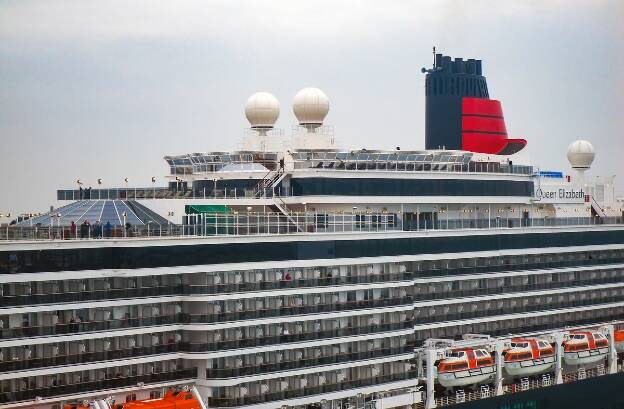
434	68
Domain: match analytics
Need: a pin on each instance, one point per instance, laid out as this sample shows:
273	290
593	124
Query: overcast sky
105	89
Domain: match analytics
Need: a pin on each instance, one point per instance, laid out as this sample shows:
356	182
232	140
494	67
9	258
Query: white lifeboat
528	356
466	366
619	341
585	347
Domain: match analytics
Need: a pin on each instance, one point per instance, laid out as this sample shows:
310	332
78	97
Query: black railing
307	391
98	386
306	362
88	326
514	310
521	325
90	295
443	272
293	310
86	357
184	289
516	288
304	336
90	357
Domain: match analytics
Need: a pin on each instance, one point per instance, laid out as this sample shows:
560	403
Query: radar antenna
435	68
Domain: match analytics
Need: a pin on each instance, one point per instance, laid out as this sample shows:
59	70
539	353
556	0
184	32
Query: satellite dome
310	106
262	110
581	154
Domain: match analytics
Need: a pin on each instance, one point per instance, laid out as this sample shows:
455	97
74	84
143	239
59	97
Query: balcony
96	386
185	289
87	326
307	391
294	310
209	346
516	288
86	357
306	362
513	310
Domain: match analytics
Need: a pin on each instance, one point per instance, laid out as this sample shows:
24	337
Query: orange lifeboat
465	366
528	356
173	399
585	347
619	341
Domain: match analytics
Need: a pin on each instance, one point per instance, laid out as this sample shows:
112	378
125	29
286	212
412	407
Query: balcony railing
306	362
516	288
294	310
307	391
88	326
514	310
96	386
85	357
184	289
523	325
254	224
286	338
11	365
181	318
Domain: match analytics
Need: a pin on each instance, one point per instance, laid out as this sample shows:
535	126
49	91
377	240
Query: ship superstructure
295	272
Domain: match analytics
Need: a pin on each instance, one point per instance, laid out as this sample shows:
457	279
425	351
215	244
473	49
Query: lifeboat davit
466	366
173	399
528	356
619	341
585	347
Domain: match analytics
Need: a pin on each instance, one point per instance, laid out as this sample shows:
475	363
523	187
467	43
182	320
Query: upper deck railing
142	193
147	193
264	224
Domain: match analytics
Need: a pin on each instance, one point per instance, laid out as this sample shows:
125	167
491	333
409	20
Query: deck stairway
268	182
596	209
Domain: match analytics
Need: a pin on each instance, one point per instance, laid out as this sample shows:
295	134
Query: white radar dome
581	154
262	110
310	106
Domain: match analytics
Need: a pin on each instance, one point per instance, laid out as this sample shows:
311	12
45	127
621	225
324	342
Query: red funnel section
483	128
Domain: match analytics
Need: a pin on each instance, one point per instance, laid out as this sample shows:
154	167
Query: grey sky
104	89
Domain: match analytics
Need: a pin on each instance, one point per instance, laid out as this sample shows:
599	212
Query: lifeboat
619	341
528	356
585	347
466	366
173	399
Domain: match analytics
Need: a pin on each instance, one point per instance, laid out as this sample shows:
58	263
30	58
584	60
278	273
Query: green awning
199	209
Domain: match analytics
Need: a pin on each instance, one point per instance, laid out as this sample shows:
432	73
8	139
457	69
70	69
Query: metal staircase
269	181
597	209
283	208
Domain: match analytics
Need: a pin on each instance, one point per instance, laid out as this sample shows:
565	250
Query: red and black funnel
459	113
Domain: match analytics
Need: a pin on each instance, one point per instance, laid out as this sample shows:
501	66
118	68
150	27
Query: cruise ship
297	273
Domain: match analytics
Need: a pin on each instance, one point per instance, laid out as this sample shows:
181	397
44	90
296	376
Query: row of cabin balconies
50	292
96	380
479	265
28	357
312	356
120	317
520	304
35	356
523	323
272	334
286	388
531	281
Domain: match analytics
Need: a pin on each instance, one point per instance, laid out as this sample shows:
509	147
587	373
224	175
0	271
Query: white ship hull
530	366
467	377
585	357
